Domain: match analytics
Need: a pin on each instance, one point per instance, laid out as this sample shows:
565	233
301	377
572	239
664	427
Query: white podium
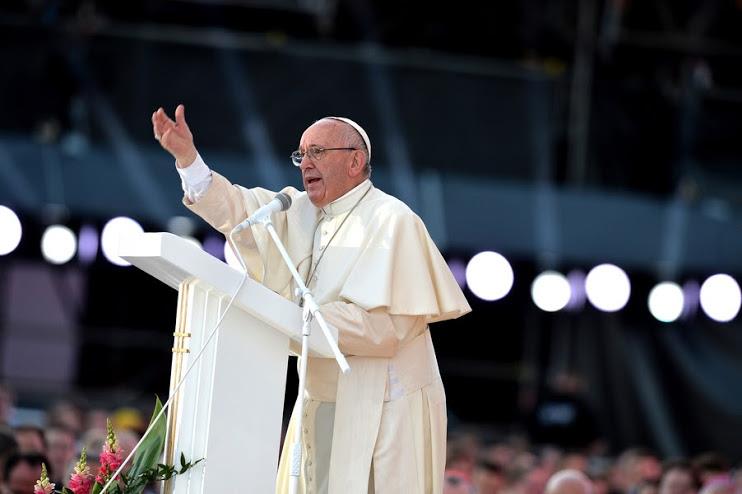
229	410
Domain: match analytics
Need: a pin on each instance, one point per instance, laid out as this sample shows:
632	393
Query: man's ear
357	165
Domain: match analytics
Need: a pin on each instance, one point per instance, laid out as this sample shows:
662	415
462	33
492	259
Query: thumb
180	116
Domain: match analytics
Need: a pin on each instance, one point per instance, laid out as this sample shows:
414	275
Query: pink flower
81	480
110	461
110	458
80	484
43	486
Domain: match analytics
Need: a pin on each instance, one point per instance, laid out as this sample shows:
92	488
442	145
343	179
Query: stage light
182	226
458	269
720	297
58	244
666	301
231	257
550	291
87	245
113	232
691	299
576	279
10	230
607	287
214	245
489	276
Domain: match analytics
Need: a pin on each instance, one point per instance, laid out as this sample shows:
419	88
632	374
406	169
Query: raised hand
175	136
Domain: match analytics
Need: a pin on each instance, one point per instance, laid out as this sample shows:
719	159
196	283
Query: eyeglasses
315	153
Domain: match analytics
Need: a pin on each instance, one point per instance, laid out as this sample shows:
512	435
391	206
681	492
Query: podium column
230	409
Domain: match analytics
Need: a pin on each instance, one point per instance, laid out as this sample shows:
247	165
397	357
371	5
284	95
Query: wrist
186	160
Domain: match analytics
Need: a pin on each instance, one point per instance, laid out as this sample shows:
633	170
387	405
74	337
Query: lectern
229	409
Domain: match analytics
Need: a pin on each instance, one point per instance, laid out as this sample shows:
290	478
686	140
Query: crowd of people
515	466
474	465
57	441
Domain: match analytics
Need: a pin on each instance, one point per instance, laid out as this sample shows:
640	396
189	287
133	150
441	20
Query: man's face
22	478
60	447
677	481
489	482
330	177
30	441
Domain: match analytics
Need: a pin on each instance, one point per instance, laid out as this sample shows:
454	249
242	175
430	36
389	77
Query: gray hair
365	142
567	481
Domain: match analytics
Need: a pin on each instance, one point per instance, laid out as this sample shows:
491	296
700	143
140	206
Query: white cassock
380	281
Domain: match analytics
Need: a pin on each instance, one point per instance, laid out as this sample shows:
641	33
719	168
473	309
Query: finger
158	129
161	123
157	120
164	139
155	126
180	116
163	117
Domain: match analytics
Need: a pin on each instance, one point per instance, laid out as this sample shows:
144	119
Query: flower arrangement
144	470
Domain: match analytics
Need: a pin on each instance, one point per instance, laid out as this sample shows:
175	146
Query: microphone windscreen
285	200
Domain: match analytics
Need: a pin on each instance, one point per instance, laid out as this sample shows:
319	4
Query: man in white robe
379	281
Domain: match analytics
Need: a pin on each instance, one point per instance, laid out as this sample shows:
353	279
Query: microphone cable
196	358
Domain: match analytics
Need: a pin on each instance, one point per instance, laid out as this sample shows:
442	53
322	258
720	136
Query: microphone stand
310	310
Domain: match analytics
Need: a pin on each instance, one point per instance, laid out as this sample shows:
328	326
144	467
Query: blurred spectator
718	486
68	414
21	471
538	477
457	482
8	446
61	449
550	460
634	466
127	440
647	487
599	472
461	452
678	478
96	419
7	400
489	478
501	454
92	440
711	466
574	460
517	481
129	419
569	482
601	483
737	478
562	416
30	439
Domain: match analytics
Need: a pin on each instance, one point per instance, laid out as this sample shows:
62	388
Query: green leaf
149	452
97	488
189	465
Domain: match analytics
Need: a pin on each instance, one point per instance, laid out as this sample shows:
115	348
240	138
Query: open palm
174	135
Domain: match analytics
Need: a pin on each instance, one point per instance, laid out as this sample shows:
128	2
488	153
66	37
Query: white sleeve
195	179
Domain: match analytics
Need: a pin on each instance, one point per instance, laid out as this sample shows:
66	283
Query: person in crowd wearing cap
379	280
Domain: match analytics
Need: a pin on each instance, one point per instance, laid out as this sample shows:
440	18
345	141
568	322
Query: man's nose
306	162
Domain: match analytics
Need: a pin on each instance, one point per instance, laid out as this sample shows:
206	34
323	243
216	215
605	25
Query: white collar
348	200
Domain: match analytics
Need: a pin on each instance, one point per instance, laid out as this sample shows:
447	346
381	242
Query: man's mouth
312	180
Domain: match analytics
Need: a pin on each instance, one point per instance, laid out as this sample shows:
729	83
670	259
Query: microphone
279	203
